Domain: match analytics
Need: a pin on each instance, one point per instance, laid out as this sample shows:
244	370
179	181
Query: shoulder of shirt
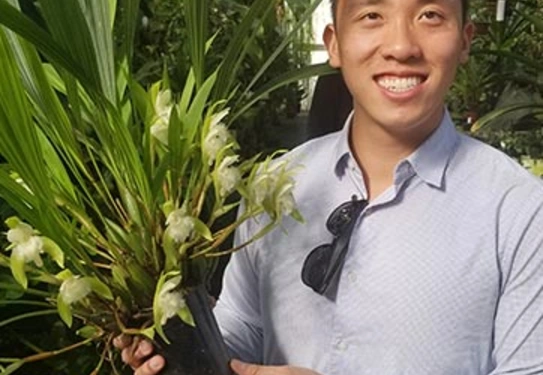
314	150
493	165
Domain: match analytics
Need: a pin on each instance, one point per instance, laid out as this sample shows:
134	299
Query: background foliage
19	339
505	68
160	46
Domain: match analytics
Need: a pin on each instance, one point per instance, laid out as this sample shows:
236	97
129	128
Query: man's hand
242	368
137	354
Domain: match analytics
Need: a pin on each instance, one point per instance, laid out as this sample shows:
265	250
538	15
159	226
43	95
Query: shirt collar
429	160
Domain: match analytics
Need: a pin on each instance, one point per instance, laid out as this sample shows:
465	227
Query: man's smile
399	84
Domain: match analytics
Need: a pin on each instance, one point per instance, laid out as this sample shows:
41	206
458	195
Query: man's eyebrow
354	4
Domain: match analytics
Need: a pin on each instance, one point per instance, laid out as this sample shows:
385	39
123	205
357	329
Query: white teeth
399	84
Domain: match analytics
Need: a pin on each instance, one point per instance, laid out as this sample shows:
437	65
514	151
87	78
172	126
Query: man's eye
372	16
431	16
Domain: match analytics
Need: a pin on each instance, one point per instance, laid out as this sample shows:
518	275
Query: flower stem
52	353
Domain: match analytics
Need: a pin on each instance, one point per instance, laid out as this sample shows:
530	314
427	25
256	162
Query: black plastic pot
196	350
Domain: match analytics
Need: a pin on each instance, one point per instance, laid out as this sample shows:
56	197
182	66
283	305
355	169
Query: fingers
122	341
135	352
151	367
242	368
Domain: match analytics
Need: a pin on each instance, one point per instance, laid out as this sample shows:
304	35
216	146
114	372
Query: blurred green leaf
65	312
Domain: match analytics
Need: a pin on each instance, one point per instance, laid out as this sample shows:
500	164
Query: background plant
98	165
503	79
160	45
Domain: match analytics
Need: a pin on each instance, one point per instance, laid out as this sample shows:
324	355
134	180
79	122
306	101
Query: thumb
242	368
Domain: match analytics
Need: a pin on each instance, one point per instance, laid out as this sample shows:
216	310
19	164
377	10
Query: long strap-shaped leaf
280	81
68	24
16	127
486	120
196	15
284	43
14	20
239	45
99	20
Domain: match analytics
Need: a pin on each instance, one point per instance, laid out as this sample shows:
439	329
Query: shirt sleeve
518	330
238	307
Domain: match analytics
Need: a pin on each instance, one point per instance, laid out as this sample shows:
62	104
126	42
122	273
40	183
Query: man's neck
378	152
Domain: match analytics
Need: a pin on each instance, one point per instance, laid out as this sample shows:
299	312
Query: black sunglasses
324	262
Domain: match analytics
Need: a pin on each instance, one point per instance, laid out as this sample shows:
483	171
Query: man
441	235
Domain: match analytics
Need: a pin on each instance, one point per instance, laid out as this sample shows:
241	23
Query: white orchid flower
265	183
163	109
27	245
74	289
170	300
218	117
217	137
285	203
228	175
159	131
180	225
275	185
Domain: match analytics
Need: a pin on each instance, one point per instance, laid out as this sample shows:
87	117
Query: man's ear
467	36
330	41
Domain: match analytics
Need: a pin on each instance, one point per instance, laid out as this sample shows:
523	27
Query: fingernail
156	363
144	349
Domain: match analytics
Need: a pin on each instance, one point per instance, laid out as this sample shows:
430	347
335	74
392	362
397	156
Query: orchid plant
120	190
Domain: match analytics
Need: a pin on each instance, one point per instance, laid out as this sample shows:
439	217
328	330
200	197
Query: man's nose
401	42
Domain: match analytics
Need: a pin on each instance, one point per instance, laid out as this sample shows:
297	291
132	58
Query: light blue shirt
443	276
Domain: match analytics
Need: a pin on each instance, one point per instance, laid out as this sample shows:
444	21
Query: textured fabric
443	276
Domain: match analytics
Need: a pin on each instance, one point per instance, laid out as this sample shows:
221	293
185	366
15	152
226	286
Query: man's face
398	58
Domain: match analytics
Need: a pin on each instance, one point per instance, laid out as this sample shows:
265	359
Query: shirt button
341	345
352	276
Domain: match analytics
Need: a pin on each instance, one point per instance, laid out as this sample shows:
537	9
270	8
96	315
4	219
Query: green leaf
202	229
157	312
287	40
64	274
280	81
28	315
149	333
69	24
12	368
139	277
198	105
25	27
196	16
9	288
186	316
132	206
54	251
100	288
535	20
296	215
239	44
186	96
12	222
65	311
87	332
486	120
170	251
17	265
